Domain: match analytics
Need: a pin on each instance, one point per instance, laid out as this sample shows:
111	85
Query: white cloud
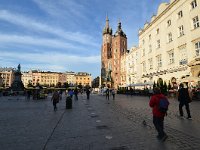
31	24
59	62
50	58
69	9
37	41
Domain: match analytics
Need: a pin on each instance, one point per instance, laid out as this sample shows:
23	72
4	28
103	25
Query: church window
124	43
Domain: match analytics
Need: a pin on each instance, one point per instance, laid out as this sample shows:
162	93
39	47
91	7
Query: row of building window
197	47
196	24
182	61
81	78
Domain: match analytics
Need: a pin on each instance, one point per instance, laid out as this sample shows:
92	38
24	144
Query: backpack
163	105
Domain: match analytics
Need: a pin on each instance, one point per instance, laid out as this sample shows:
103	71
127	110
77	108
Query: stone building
133	70
83	78
44	78
70	78
170	43
1	81
113	50
7	76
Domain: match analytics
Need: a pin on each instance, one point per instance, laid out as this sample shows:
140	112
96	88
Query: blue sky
65	35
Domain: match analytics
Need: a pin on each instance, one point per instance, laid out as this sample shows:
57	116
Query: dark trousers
186	107
76	96
113	96
54	105
107	96
159	125
88	95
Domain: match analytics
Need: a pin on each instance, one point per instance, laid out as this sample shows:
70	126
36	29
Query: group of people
57	95
108	92
158	102
158	115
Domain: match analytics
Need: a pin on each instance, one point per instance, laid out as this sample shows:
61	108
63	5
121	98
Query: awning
142	84
190	79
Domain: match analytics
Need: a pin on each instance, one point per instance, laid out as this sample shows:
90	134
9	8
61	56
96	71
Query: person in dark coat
88	93
76	93
107	94
184	99
158	116
55	98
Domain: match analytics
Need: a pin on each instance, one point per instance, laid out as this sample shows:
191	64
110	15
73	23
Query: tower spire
107	29
119	30
107	21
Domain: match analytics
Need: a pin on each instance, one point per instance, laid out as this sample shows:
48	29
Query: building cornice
159	16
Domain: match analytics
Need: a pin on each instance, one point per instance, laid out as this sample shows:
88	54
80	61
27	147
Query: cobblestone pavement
93	124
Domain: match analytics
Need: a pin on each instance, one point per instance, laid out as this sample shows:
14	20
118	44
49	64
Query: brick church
113	53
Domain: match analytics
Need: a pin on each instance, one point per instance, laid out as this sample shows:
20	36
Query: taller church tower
113	51
106	55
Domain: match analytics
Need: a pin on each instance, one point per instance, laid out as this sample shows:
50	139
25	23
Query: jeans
159	125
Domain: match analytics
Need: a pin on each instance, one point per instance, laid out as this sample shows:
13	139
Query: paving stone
27	124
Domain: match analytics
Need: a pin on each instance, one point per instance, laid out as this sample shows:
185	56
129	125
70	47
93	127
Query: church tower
113	52
119	46
106	54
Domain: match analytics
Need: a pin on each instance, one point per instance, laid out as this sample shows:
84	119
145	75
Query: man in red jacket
158	116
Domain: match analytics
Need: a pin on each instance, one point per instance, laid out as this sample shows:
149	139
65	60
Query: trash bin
68	102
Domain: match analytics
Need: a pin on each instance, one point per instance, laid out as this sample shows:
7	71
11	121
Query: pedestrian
113	93
88	93
55	98
60	94
28	94
158	116
150	92
184	99
107	93
76	93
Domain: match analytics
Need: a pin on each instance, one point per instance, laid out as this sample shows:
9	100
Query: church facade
113	52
